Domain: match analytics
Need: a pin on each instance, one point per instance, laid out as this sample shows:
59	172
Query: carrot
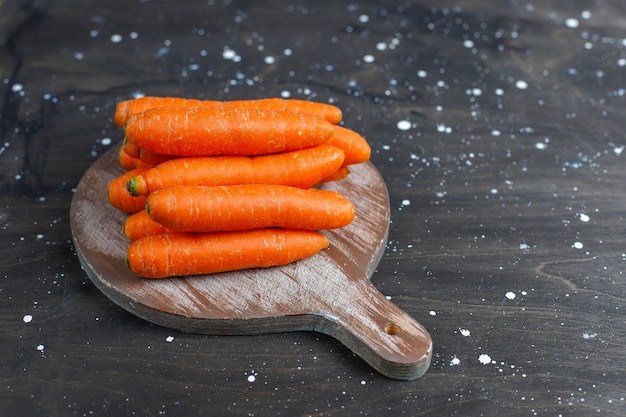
302	168
340	174
153	158
139	224
120	198
129	163
130	149
355	146
127	108
322	110
125	160
193	208
202	131
182	254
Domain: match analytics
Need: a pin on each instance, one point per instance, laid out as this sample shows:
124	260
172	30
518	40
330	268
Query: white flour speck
589	335
541	146
524	246
27	318
169	339
40	348
455	361
403	125
229	54
510	295
468	43
577	245
583	217
432	313
464	332
363	382
251	378
17	87
619	149
521	84
572	23
369	58
106	141
484	359
269	60
406	202
116	38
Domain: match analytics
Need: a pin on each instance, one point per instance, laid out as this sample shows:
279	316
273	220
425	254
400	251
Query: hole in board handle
392	329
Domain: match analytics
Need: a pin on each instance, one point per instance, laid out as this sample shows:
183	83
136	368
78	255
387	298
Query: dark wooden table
499	130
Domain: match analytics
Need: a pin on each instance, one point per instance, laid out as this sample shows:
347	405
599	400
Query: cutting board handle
383	335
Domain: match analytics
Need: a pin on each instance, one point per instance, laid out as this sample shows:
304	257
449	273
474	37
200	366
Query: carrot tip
137	186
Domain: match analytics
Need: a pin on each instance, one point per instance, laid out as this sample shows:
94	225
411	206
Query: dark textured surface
506	191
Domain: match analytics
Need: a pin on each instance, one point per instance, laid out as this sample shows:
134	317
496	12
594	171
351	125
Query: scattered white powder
577	245
403	125
455	361
230	54
524	246
106	141
521	84
17	87
27	318
484	359
269	60
251	378
541	146
369	58
510	295
583	217
169	339
589	335
572	23
40	348
468	43
116	38
432	313
406	202
464	332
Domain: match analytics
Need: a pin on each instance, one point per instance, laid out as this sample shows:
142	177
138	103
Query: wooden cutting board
329	292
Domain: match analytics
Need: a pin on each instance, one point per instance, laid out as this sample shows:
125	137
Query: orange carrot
355	146
139	224
120	198
127	108
183	254
129	163
125	160
202	131
340	174
193	208
302	169
322	110
130	149
153	158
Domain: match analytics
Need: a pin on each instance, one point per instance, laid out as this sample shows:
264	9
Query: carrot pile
212	186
